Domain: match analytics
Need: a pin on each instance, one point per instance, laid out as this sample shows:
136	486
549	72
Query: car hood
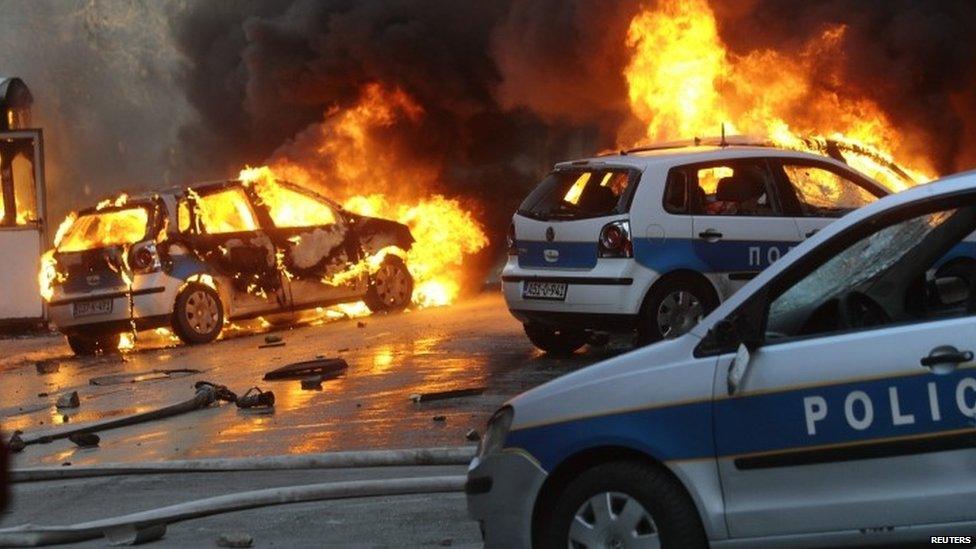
655	375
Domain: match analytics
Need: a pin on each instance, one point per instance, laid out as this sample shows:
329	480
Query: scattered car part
312	383
150	525
256	398
442	395
235	540
272	338
298	370
68	400
205	395
221	392
452	455
47	367
271	345
16	442
135	377
85	440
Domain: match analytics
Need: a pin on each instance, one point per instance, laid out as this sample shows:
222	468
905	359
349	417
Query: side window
289	208
676	193
885	277
825	193
739	188
227	211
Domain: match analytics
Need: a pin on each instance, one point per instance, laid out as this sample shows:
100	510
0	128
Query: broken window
227	211
823	193
289	208
105	228
580	193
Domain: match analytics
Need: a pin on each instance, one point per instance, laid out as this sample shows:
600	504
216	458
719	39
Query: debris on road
272	338
85	440
16	443
68	400
149	375
442	395
440	418
325	367
270	345
360	324
47	367
312	383
235	540
473	435
256	398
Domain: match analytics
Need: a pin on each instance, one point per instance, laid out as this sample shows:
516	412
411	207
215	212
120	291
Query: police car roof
678	154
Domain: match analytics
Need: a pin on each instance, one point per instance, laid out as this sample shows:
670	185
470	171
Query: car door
221	225
739	226
819	192
854	410
321	256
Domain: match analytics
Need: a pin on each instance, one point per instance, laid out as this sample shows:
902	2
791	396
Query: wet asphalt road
474	343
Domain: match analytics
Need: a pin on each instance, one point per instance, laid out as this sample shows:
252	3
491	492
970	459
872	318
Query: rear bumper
152	298
614	287
501	491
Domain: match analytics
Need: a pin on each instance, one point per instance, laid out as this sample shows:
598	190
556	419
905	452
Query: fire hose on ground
150	525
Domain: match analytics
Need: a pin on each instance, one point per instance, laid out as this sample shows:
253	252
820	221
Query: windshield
106	228
580	193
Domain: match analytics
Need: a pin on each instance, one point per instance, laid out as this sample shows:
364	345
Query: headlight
498	426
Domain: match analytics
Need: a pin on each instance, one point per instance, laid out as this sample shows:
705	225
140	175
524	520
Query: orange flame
683	82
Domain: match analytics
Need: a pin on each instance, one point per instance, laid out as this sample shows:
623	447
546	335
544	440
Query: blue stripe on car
758	423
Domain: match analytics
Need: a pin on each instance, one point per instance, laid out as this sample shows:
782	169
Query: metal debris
327	367
272	338
149	375
235	540
47	367
85	440
312	383
270	345
441	395
256	398
68	400
16	443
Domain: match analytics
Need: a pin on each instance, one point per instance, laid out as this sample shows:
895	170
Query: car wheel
390	287
198	316
673	307
623	504
555	341
90	345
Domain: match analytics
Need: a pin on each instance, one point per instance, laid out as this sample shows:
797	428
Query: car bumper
501	491
613	286
152	298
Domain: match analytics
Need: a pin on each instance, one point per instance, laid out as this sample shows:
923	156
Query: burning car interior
589	274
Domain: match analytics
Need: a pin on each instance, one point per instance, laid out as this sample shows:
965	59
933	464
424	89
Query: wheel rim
392	284
201	312
612	520
678	312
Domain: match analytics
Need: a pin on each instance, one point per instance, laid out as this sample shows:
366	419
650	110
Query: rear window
105	228
580	193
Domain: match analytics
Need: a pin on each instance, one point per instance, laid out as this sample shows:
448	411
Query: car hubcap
612	520
201	312
392	285
679	312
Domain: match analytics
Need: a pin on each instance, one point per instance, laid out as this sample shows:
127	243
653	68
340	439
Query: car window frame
196	224
789	190
634	177
695	207
337	211
761	300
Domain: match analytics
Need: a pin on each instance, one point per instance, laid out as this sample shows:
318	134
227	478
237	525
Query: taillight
615	240
512	246
143	257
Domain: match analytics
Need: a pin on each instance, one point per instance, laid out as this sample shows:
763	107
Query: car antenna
723	143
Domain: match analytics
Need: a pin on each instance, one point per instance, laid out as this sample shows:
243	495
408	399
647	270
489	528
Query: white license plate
544	290
95	307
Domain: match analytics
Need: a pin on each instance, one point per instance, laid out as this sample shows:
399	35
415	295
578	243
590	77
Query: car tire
672	307
198	315
390	287
90	345
555	341
622	499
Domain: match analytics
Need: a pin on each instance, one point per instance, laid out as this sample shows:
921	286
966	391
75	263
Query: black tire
91	345
390	287
198	315
649	329
555	341
672	514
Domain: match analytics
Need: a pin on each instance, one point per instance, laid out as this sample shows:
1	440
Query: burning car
192	258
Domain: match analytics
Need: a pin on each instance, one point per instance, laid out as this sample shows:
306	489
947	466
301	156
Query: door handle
945	359
710	235
811	233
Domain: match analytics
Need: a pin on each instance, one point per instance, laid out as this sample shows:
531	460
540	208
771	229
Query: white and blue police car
830	401
653	239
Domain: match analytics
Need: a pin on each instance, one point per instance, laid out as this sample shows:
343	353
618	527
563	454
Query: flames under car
193	258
